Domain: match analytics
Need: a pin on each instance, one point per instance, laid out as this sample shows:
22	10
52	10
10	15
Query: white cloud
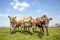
39	11
12	3
24	4
15	0
21	9
17	5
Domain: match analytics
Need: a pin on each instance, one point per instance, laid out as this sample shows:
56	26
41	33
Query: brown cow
39	23
46	22
43	22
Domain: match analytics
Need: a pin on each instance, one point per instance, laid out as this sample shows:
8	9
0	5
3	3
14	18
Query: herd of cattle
26	23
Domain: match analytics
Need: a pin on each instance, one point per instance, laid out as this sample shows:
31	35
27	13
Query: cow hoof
47	34
11	32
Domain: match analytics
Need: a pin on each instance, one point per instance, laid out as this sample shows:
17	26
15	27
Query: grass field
54	34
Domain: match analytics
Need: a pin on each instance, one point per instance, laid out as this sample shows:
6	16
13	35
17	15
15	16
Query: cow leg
33	30
28	29
24	28
11	28
47	30
14	29
21	29
42	30
18	28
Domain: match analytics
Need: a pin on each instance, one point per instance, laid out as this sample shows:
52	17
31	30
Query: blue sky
35	8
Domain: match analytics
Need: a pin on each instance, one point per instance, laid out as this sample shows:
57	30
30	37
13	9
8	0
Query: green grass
54	34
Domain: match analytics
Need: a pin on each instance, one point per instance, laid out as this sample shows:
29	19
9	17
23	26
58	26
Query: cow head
12	18
46	21
30	18
22	18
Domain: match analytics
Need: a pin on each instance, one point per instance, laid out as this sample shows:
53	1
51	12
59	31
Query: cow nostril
10	22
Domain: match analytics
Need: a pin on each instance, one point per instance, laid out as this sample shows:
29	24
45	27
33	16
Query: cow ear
9	16
15	17
50	19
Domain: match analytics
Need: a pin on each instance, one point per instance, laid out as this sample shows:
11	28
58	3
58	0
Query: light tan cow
31	21
15	22
27	23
